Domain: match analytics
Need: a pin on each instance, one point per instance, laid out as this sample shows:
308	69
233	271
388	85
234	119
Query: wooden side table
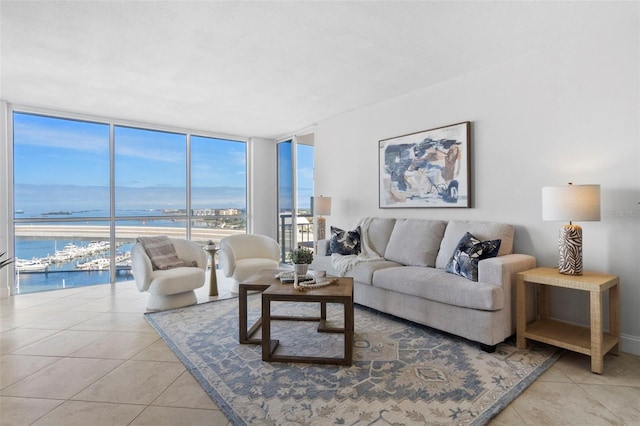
592	341
213	280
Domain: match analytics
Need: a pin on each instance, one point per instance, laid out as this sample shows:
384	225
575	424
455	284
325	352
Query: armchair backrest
190	251
246	246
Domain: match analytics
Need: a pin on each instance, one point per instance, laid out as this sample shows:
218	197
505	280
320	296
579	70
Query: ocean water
46	281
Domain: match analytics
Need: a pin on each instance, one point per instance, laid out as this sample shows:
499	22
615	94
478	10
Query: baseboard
630	344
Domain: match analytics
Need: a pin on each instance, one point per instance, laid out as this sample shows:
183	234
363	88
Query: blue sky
75	154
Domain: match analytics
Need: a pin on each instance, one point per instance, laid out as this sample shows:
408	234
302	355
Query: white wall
565	113
263	187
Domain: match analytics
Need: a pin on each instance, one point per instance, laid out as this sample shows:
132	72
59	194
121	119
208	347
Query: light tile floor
87	356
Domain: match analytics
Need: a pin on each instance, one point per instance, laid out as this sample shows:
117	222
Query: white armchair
243	255
170	288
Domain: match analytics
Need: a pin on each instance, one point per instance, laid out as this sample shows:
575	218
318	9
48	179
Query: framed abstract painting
426	169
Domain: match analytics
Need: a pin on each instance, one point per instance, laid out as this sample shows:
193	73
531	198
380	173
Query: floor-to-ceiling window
84	190
218	188
61	183
295	189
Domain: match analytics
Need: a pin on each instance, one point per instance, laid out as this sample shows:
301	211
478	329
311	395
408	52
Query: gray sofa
401	271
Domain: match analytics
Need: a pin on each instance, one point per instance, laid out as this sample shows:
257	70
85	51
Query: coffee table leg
268	346
242	308
266	329
348	333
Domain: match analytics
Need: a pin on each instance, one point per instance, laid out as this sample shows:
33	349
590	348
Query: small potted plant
301	258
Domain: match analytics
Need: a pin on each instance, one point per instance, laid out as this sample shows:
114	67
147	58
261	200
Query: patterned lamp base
570	246
321	228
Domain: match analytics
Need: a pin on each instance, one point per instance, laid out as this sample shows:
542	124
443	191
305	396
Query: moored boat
33	265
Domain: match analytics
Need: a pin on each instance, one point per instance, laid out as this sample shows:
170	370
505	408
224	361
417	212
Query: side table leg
213	279
521	314
597	357
614	316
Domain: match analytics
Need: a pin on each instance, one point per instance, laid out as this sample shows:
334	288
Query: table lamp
572	203
321	206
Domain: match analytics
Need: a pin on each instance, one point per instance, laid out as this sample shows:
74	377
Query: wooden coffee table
274	291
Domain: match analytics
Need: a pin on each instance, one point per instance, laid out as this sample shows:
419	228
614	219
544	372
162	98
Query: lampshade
321	206
571	202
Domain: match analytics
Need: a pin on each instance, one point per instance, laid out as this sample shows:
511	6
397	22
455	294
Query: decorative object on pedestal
572	203
301	259
321	206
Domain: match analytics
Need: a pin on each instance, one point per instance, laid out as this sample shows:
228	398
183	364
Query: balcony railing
289	239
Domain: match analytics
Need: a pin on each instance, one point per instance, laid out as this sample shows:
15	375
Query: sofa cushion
468	253
482	230
363	271
415	242
344	242
378	233
440	286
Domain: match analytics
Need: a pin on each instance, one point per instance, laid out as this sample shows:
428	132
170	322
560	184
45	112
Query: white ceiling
264	69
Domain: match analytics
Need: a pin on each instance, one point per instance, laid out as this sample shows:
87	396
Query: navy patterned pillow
344	242
468	253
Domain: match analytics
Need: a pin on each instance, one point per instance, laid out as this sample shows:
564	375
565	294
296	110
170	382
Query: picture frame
427	169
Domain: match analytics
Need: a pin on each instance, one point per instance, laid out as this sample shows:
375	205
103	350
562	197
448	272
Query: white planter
301	268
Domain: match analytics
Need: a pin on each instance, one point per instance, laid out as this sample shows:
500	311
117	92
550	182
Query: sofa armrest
502	270
322	247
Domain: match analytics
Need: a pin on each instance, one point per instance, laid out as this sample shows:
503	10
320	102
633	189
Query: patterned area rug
402	373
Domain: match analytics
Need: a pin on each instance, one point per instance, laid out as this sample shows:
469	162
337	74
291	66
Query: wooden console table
592	341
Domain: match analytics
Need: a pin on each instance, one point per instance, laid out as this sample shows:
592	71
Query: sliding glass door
295	189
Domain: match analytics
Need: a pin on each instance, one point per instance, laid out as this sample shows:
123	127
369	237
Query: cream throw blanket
343	263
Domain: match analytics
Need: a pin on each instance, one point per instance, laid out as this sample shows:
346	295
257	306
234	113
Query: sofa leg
488	348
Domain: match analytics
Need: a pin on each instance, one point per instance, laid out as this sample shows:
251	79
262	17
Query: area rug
402	373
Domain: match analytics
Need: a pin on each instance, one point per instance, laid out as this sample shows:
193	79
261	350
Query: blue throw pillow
468	253
344	242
